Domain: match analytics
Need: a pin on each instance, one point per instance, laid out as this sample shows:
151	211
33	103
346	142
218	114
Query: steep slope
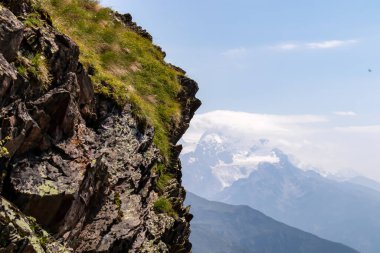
223	228
339	211
89	126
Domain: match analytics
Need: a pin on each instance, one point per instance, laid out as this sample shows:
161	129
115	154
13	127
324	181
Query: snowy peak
225	160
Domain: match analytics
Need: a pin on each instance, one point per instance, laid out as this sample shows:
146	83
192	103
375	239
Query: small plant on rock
3	150
35	66
163	205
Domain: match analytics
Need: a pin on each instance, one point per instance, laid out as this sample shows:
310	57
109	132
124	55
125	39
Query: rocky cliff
81	169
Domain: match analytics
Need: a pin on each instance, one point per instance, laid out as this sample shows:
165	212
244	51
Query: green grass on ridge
128	67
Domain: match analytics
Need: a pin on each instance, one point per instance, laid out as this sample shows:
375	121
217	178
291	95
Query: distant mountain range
264	178
223	228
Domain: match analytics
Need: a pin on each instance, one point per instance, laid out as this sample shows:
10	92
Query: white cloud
346	114
287	47
236	52
328	44
314	140
249	122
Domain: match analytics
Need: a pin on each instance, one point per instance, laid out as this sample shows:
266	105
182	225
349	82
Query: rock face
19	233
78	163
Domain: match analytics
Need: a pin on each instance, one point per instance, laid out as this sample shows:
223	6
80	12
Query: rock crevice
79	164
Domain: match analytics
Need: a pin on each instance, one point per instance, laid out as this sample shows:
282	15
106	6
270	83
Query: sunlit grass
127	67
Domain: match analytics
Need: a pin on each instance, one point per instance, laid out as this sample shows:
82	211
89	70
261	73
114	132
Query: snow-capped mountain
256	173
218	161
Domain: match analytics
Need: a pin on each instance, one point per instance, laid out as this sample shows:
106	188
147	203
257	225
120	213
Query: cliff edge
89	121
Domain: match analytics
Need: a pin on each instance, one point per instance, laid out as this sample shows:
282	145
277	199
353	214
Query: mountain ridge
340	211
223	228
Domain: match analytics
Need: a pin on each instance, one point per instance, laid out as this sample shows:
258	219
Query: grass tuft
39	70
117	202
163	205
35	66
33	20
164	177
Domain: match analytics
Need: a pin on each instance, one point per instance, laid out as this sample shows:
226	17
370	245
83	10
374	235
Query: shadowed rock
79	163
11	34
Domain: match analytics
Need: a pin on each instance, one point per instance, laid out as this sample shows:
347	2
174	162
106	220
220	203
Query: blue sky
257	56
304	58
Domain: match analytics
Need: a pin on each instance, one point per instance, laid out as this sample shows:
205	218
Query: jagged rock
8	74
19	7
80	164
127	20
189	105
20	234
11	34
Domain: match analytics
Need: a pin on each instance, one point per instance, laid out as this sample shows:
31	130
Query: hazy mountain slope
367	182
222	228
339	211
255	173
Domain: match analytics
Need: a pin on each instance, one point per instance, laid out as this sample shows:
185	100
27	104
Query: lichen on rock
82	164
19	233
